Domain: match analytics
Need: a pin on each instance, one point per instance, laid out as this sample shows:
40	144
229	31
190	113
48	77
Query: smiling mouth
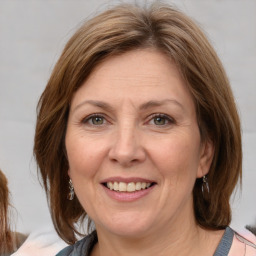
128	187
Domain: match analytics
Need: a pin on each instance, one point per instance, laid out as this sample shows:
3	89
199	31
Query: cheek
178	157
84	155
85	158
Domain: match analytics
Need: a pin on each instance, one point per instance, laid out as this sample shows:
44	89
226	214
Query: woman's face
133	145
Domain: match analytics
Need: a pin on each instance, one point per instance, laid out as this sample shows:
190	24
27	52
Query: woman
9	241
138	128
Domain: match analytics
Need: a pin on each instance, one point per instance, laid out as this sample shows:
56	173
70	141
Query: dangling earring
205	185
71	191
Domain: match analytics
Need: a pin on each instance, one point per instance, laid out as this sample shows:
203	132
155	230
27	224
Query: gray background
32	35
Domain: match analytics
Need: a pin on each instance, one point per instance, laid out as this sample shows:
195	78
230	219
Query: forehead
143	74
146	66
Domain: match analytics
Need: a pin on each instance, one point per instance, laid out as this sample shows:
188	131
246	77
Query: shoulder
82	247
73	250
44	241
19	238
244	243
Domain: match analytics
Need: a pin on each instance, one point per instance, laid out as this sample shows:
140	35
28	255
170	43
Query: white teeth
127	187
138	186
122	187
131	187
116	186
110	185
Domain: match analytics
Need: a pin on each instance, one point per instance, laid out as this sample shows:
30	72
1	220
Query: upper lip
127	180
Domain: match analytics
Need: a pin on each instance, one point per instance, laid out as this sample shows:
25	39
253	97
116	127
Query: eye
161	120
97	120
94	120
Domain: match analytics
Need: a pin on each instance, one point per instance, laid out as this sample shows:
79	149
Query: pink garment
244	244
43	242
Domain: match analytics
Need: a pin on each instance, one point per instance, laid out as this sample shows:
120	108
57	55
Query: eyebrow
96	103
144	106
156	103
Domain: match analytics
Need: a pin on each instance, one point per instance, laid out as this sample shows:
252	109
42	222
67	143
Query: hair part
116	31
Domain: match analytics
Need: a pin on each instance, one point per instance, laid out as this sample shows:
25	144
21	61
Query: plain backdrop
32	35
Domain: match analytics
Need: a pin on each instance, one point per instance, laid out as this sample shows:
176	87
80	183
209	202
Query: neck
183	238
165	244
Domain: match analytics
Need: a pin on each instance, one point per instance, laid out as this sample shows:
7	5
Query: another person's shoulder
44	241
82	247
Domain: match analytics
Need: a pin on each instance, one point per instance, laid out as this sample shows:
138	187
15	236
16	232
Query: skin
145	127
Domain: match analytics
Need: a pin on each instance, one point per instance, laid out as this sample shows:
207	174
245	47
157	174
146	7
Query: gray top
225	243
84	246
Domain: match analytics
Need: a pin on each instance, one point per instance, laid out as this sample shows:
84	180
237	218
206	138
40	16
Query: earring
71	191
205	185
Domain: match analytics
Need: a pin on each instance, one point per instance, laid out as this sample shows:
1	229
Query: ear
206	156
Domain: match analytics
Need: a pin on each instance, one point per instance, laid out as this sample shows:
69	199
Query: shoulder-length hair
118	30
6	244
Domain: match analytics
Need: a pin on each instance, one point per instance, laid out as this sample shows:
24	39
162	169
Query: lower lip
128	196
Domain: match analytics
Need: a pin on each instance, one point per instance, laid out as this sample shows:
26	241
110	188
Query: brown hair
118	30
6	245
9	241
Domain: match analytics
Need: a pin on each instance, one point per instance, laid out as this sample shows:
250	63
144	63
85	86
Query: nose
127	148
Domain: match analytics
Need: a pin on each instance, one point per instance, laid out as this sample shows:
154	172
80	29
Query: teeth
138	186
116	186
127	187
122	187
111	186
131	187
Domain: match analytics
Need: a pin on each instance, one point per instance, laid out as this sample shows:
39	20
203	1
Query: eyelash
168	119
89	118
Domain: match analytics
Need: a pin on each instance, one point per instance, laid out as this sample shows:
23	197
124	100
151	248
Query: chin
130	232
129	226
